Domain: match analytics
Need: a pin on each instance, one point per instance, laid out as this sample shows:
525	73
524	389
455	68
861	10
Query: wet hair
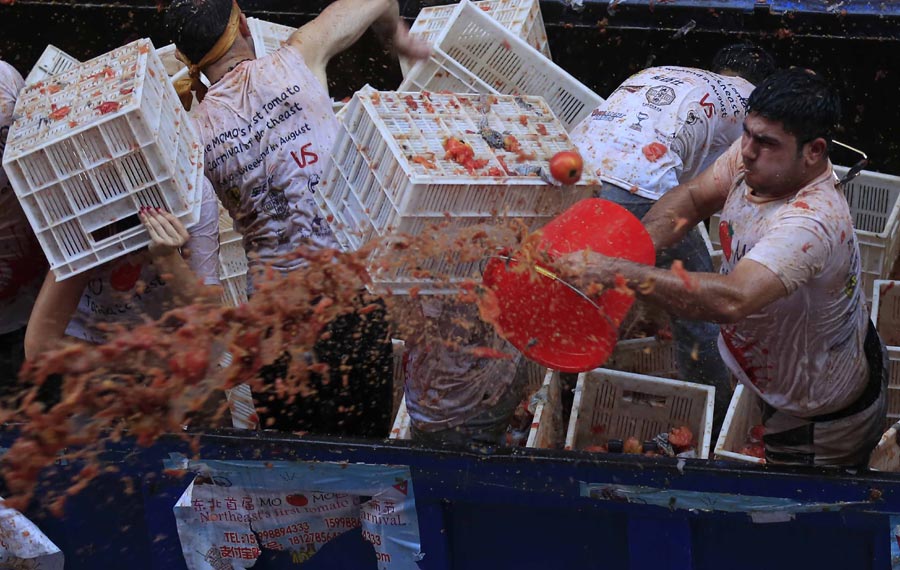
747	60
801	100
196	25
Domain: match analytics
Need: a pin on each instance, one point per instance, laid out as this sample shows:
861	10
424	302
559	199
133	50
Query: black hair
801	100
747	60
196	25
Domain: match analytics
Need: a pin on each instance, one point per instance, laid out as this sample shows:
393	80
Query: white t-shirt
803	354
446	384
129	289
664	125
268	127
22	263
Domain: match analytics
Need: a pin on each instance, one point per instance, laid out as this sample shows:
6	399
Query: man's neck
814	174
240	51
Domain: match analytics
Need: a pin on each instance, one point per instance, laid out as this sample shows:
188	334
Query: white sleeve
204	242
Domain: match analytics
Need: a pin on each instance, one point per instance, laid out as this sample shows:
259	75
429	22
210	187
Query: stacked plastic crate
474	53
610	404
391	174
51	62
521	17
267	36
93	145
886	317
232	262
744	413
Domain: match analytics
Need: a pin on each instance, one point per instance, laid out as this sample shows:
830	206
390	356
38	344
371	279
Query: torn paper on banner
23	545
761	509
895	542
232	509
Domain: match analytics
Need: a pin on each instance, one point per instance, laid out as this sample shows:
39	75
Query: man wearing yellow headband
267	126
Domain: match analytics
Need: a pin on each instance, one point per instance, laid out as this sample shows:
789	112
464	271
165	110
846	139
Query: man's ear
245	27
816	150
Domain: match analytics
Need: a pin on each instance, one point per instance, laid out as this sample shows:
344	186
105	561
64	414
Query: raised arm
698	296
343	22
683	207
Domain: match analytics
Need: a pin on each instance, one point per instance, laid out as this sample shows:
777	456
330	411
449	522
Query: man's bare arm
341	25
698	296
683	207
53	309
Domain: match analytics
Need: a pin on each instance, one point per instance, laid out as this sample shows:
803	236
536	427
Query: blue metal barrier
509	509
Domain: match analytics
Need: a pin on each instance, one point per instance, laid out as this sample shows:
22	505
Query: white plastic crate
714	253
649	356
388	173
874	200
521	17
234	290
617	405
886	317
232	258
744	412
476	54
232	262
54	61
547	427
268	36
51	62
233	269
93	145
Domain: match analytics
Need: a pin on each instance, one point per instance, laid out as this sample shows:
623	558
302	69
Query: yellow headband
192	82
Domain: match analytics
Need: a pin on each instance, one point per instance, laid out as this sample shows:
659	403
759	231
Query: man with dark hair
794	328
663	126
267	128
744	60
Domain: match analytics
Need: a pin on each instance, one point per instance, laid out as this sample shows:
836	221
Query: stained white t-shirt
22	263
803	354
446	383
267	127
130	289
663	126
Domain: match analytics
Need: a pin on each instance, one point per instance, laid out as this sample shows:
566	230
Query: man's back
268	127
662	126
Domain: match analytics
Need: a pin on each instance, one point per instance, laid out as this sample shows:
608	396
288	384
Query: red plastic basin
547	321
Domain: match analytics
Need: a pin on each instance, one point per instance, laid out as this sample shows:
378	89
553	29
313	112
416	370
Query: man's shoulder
10	79
820	203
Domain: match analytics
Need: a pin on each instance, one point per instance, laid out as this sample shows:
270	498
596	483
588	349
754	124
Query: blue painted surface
849	7
507	509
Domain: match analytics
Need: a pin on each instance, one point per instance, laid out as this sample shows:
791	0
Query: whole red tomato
681	437
566	166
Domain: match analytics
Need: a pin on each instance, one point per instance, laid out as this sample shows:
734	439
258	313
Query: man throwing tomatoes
793	320
663	126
